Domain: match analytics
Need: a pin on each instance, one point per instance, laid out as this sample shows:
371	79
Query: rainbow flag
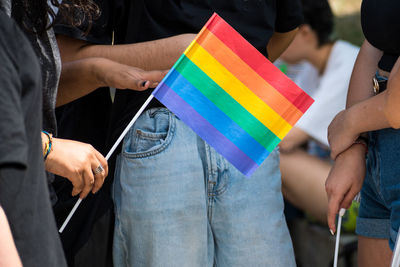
232	96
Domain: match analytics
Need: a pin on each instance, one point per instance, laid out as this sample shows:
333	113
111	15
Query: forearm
367	115
360	87
158	54
278	44
78	78
392	99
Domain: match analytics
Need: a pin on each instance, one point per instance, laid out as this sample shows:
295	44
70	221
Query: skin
278	43
8	252
392	99
364	112
82	160
81	77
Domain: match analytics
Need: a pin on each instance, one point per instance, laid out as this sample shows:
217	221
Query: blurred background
348	25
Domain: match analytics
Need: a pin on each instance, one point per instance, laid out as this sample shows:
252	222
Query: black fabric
86	120
139	21
23	187
45	47
381	26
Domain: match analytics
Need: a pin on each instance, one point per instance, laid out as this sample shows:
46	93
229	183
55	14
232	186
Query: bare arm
392	100
347	175
278	43
360	87
8	252
80	77
158	54
349	124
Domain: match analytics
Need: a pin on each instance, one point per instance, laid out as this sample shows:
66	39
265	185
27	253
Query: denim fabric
379	214
179	203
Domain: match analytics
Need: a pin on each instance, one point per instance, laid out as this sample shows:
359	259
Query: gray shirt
23	187
48	54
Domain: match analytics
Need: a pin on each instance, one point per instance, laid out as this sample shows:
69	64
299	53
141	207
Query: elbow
70	48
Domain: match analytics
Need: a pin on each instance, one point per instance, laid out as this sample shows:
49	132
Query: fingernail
342	212
144	83
332	233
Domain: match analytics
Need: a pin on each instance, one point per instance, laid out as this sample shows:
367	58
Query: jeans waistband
379	83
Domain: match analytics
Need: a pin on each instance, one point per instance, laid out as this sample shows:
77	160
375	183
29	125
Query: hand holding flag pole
230	95
108	157
341	213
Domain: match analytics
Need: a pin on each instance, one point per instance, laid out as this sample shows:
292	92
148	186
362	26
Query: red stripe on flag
258	62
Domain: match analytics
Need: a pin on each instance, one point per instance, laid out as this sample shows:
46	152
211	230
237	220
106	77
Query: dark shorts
379	214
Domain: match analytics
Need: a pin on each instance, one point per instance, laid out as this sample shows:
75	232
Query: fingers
154	75
77	184
348	199
85	179
334	154
88	178
333	208
99	177
77	181
152	79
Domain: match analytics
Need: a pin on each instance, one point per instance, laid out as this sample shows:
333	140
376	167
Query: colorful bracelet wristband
48	144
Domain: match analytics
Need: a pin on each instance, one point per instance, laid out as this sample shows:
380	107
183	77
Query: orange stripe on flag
249	77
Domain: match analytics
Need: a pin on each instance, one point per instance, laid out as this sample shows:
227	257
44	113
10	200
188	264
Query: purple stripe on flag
205	130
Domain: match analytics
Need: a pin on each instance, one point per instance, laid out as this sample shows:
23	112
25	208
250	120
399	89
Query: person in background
325	70
363	129
170	186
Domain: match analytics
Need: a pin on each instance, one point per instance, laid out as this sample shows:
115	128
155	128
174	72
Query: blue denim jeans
179	203
379	213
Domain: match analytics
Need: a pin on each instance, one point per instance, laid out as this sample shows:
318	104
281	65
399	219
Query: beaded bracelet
48	144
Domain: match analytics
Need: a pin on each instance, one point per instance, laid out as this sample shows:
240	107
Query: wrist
47	144
355	149
97	67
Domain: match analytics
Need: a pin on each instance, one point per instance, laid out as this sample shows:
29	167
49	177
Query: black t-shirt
380	21
145	20
24	193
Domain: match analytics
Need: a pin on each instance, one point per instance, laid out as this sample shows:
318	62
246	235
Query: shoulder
13	43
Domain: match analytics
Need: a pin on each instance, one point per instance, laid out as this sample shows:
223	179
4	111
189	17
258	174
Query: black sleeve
289	15
13	142
100	30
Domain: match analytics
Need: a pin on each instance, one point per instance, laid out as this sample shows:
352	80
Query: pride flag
232	96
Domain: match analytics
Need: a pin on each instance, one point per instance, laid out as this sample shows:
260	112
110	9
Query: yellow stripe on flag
234	87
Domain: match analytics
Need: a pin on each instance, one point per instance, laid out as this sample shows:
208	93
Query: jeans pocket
151	135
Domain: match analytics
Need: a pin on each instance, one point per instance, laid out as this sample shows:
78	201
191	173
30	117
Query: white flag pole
396	252
341	213
109	155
